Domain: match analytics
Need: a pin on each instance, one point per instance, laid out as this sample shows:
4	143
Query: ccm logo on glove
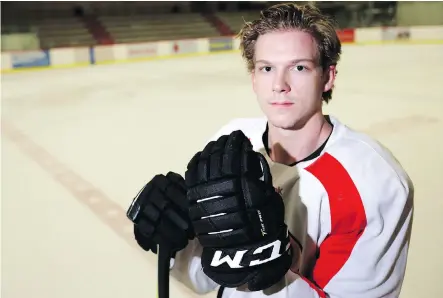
239	256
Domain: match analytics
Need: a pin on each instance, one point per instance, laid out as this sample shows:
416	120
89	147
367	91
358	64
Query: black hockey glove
237	215
160	214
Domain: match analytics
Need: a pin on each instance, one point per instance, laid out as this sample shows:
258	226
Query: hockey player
295	204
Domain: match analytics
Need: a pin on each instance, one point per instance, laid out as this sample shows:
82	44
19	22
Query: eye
266	68
300	68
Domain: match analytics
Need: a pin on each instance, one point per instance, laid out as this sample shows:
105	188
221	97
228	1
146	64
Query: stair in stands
97	30
221	26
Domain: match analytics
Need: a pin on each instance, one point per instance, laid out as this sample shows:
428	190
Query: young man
347	202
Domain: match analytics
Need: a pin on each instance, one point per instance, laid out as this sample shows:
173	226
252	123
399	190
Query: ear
329	74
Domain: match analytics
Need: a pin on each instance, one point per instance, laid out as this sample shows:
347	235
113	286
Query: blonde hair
289	16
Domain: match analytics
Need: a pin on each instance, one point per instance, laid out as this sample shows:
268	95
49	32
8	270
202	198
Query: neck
291	145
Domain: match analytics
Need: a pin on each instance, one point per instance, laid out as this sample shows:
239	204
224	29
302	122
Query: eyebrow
292	61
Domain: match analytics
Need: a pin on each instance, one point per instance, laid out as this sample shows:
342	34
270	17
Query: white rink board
115	126
105	54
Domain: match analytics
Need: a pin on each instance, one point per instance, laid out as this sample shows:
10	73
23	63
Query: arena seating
54	24
235	20
61	24
153	27
63	32
54	31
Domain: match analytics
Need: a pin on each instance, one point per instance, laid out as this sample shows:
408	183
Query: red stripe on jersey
348	217
320	293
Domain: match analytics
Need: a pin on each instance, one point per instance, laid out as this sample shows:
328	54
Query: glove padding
237	215
160	214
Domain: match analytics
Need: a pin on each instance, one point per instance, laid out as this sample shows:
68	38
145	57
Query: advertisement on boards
395	33
30	59
141	50
346	35
184	47
220	44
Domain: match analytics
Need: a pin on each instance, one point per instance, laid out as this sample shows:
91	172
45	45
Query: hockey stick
164	254
164	257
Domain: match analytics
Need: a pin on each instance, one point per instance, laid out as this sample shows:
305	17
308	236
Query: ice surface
78	144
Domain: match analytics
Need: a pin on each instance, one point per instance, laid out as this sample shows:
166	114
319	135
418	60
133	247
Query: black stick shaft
163	271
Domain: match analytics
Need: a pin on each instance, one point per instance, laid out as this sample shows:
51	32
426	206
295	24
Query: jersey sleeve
365	250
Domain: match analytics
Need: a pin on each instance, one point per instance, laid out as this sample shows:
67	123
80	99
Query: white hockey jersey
349	205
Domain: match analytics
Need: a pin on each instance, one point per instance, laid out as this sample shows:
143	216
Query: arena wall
119	53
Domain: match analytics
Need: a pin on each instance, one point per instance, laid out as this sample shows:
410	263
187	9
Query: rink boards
104	54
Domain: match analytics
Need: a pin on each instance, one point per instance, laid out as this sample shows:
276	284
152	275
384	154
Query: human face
288	79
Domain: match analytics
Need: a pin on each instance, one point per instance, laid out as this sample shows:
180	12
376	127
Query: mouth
282	104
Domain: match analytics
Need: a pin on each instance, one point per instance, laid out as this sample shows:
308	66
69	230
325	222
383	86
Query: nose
280	84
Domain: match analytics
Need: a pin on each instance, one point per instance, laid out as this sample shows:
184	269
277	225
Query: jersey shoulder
371	166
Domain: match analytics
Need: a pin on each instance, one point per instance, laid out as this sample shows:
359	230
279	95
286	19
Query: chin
289	121
284	122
